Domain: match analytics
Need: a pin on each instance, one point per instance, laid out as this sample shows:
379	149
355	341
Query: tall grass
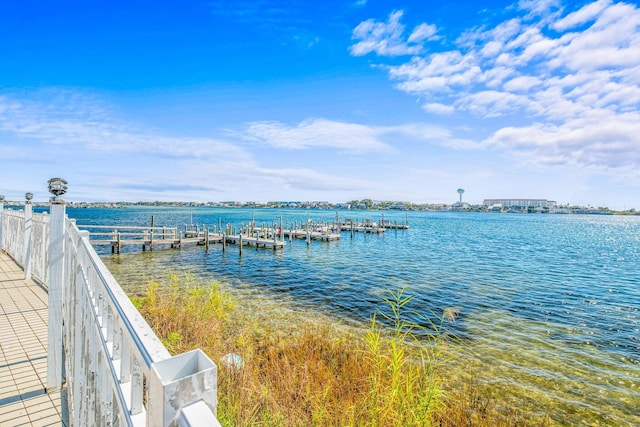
315	373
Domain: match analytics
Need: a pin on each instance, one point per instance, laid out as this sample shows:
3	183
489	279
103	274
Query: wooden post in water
151	239
240	245
119	243
275	237
224	242
253	222
206	239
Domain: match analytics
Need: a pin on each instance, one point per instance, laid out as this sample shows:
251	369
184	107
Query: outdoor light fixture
28	196
57	187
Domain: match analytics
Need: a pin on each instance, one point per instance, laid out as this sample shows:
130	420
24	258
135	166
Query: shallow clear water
550	304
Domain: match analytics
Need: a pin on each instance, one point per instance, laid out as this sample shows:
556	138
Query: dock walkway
23	352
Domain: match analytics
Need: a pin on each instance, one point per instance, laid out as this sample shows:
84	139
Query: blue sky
335	100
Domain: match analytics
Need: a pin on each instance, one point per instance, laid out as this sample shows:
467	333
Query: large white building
525	203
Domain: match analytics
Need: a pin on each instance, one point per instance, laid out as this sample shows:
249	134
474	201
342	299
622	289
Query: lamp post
28	233
55	359
57	187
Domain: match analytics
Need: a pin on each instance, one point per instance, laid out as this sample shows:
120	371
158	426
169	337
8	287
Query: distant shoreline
349	206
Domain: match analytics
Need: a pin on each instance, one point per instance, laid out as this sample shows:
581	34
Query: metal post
28	233
55	357
183	391
56	278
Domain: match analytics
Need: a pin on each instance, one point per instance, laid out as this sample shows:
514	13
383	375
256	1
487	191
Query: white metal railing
117	371
13	234
40	247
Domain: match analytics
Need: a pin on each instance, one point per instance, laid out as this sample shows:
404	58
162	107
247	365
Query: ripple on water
550	305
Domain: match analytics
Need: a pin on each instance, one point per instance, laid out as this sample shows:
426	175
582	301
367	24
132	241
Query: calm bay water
550	304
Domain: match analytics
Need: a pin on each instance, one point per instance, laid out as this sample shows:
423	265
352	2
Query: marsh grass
317	373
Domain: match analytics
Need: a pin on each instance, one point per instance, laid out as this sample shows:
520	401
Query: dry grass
315	374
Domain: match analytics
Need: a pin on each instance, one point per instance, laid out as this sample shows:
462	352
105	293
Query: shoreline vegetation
392	372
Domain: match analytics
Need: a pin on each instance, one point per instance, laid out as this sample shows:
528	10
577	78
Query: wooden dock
371	228
395	225
264	236
24	400
163	238
324	236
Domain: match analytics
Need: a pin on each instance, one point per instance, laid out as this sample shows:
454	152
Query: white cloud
71	119
492	103
522	83
438	72
541	9
604	143
581	16
386	38
423	32
437	108
347	137
574	73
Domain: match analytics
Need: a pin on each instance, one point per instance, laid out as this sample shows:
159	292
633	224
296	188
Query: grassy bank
316	373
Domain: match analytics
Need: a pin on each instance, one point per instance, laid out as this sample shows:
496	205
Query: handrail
118	372
105	276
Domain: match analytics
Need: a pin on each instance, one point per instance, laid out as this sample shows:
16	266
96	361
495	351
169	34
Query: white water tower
460	191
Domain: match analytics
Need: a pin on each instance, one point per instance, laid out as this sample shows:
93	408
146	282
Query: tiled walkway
23	352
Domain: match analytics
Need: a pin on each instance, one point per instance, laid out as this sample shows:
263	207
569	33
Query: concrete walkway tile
23	352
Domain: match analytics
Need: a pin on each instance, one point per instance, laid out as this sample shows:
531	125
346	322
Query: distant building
521	203
342	206
460	206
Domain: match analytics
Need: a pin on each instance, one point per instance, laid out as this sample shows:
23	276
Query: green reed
312	373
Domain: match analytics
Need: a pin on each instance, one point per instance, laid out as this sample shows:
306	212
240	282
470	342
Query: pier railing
115	369
117	236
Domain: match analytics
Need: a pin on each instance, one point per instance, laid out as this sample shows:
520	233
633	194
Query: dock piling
151	232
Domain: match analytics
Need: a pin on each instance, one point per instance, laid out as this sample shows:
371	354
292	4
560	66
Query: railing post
182	387
28	233
56	279
1	216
